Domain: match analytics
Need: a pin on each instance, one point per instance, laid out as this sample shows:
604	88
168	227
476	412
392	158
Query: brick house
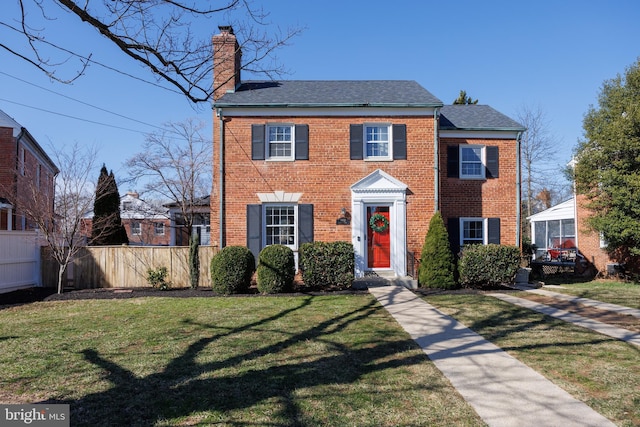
24	168
324	160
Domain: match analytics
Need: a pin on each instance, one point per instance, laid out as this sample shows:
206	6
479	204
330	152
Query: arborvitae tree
464	99
107	228
437	263
194	261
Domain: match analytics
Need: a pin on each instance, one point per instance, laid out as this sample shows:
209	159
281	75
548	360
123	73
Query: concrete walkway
600	327
589	302
502	390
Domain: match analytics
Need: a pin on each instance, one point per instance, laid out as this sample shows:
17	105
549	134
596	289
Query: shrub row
490	265
327	266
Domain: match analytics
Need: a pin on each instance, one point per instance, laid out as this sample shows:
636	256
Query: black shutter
453	161
356	142
254	229
257	142
302	142
493	235
453	228
305	224
492	162
400	142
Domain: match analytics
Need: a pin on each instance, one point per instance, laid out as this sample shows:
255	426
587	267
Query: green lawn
599	370
267	361
627	294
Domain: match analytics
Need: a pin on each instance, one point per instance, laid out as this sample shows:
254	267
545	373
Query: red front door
378	237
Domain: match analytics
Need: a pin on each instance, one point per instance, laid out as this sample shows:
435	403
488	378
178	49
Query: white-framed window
280	225
159	228
472	161
473	231
136	228
126	206
377	139
280	142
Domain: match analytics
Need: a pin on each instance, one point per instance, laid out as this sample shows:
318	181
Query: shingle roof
475	117
330	93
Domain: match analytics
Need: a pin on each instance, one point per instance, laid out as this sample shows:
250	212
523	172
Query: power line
73	117
79	101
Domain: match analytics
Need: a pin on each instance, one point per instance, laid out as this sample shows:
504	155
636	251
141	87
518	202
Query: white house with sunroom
553	232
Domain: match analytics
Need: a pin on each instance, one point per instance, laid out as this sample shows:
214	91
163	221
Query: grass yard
627	294
268	361
599	370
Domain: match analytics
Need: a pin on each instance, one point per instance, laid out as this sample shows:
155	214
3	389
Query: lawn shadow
186	386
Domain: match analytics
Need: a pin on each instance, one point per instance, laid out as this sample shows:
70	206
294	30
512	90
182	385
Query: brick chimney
227	58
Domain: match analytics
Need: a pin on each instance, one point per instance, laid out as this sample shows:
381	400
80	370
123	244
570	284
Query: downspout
436	163
221	171
518	190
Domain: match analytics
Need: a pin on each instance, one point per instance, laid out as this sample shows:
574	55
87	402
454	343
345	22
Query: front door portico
378	224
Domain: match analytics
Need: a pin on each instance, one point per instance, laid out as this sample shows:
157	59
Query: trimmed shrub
486	266
276	269
157	278
231	270
437	263
327	266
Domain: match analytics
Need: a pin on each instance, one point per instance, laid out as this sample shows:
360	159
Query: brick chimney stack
227	58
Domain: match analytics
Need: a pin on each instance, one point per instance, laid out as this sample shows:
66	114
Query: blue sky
549	54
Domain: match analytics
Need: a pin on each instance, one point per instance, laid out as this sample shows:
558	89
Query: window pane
471	161
280	225
472	232
554	234
279	141
377	141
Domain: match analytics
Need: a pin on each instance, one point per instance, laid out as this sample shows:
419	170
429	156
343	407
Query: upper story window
472	161
377	139
279	141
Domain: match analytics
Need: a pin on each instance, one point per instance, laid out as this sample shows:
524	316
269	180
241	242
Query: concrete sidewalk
502	390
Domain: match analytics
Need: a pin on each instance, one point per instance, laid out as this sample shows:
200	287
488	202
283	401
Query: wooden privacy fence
19	260
126	266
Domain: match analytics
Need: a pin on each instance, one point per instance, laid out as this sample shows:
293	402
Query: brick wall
488	198
325	179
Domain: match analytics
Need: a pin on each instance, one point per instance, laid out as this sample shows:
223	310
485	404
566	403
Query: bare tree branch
154	33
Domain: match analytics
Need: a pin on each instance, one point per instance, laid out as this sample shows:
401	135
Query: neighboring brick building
25	168
322	160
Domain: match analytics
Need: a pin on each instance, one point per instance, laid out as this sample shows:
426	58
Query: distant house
24	167
554	228
200	212
146	224
363	161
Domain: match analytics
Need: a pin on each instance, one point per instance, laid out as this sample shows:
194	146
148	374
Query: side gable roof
476	117
330	93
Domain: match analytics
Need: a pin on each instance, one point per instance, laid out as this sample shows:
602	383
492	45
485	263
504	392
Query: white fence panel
19	260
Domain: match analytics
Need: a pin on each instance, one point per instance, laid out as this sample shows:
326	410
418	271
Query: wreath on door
379	223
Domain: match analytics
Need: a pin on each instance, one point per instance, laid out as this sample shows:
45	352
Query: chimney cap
225	29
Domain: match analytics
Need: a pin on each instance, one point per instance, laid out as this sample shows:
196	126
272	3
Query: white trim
483	161
294	246
279	197
479	134
485	228
262	111
365	144
292	143
379	188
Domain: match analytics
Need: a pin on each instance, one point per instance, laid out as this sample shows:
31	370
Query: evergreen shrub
437	262
276	269
232	269
487	266
327	266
